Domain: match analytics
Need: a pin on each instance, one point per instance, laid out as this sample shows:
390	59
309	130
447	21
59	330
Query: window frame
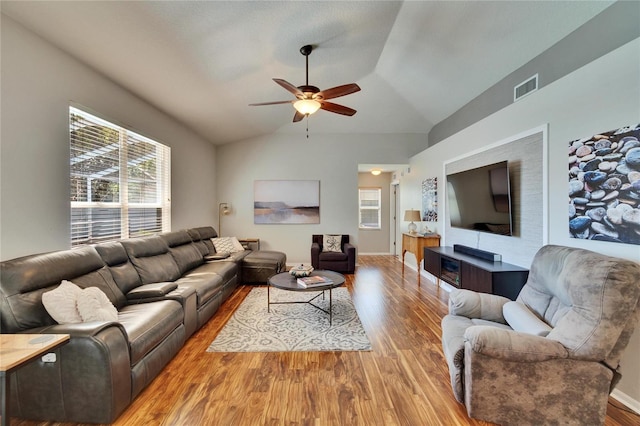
129	143
378	207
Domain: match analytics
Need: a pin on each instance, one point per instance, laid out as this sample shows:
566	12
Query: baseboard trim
625	399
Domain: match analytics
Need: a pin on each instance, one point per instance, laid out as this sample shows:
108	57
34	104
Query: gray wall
524	156
579	48
38	83
376	241
331	159
600	96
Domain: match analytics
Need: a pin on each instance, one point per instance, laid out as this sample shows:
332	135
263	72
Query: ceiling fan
309	98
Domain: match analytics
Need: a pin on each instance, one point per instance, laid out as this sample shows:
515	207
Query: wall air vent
525	88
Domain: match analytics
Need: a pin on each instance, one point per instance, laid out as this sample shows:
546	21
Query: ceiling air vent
525	88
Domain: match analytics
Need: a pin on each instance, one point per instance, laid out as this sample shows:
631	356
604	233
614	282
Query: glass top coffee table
286	281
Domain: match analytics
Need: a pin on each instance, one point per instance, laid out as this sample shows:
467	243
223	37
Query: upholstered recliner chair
552	356
333	252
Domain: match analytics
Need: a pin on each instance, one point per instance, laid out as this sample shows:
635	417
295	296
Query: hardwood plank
404	380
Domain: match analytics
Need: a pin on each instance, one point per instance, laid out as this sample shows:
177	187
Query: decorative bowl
301	271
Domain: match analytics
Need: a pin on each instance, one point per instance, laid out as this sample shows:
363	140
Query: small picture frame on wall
430	200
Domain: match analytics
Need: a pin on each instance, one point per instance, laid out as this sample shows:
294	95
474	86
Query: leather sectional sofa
164	290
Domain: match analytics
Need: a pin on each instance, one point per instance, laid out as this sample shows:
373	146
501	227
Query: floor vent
525	88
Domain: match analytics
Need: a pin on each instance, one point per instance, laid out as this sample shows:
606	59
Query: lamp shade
306	106
412	215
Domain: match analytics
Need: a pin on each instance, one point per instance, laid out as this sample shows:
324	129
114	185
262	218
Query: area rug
292	327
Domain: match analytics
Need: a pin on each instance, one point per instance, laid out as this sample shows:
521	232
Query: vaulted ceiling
203	62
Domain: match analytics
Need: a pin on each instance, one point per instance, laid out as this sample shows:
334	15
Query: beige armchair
552	356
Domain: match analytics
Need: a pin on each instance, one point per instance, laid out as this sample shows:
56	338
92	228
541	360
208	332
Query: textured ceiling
203	62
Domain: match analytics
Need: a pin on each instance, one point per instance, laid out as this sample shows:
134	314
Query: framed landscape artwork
286	201
430	200
604	186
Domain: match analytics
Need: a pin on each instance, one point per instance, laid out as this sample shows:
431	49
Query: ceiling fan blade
338	109
290	87
271	103
338	91
297	117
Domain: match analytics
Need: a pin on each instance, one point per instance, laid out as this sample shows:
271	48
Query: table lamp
412	216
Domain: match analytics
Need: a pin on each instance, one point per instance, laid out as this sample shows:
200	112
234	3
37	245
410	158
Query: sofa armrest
511	345
315	255
151	291
472	304
96	358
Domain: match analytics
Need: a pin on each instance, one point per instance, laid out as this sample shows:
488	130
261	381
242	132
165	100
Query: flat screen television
480	199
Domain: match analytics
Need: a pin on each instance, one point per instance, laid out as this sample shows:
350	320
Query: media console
468	268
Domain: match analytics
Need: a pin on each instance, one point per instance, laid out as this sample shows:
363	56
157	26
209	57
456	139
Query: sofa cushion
520	318
333	256
151	258
123	272
207	284
183	250
94	305
202	239
148	324
588	308
61	304
227	245
331	243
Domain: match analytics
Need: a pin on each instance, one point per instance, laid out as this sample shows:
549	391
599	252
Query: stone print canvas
430	200
604	186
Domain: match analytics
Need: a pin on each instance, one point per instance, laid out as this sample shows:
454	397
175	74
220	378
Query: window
119	180
369	202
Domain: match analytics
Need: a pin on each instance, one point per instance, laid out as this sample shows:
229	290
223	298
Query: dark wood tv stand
473	273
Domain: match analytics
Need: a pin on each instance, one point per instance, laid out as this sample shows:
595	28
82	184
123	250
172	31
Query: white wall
600	96
331	159
38	83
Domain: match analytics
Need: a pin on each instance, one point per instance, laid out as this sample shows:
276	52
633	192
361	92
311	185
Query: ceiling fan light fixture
306	106
376	172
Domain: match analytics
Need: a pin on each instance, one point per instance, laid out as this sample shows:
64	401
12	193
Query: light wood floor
403	381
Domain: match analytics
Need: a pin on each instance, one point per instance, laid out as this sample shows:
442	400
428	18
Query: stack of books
313	281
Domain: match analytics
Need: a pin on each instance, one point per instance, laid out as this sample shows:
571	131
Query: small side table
17	350
415	243
250	243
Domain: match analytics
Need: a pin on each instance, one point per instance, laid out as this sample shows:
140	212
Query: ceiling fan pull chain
307	126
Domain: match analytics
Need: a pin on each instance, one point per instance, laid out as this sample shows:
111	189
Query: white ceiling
203	62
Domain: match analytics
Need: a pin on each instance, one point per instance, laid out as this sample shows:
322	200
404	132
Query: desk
17	350
415	243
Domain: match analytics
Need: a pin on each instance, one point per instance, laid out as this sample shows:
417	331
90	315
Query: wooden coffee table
17	350
286	281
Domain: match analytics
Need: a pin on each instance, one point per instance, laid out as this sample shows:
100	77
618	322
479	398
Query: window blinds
119	181
369	201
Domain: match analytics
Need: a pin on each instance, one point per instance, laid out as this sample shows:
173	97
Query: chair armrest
151	291
472	304
350	250
315	255
511	345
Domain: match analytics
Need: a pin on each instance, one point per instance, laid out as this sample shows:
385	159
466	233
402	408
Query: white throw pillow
520	318
60	303
94	305
227	245
332	243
